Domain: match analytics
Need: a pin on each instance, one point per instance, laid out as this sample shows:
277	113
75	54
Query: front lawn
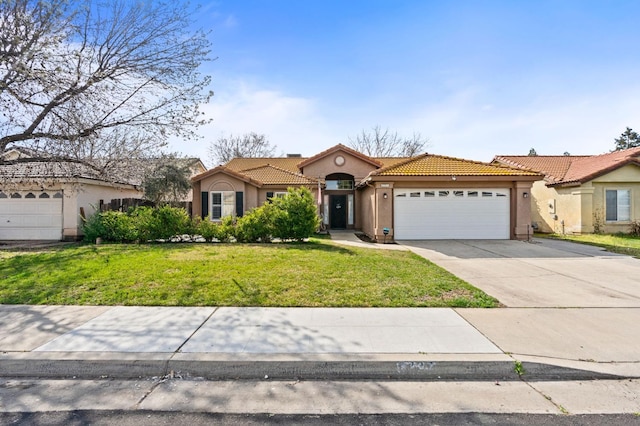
617	243
317	273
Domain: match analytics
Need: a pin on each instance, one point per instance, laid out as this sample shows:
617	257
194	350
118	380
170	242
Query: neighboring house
47	200
583	194
422	197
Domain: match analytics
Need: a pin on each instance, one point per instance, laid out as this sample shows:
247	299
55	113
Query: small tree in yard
167	182
295	215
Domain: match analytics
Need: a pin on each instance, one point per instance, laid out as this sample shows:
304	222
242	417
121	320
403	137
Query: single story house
422	197
583	194
48	200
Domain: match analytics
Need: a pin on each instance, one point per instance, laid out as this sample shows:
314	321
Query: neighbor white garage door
423	214
31	216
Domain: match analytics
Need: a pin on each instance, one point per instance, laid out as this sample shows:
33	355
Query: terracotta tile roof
390	161
228	171
272	175
285	163
554	167
573	169
437	165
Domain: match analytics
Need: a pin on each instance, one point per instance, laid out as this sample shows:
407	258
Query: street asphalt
570	322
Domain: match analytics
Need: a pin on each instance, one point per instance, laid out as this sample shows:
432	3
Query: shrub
93	228
256	225
635	228
138	224
114	226
168	222
144	222
205	228
296	215
225	230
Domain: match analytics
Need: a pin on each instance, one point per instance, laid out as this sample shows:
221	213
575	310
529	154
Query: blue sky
478	78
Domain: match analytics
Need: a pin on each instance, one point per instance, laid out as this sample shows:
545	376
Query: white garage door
31	216
438	214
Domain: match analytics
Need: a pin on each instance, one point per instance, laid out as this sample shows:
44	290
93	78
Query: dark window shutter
269	196
205	205
239	203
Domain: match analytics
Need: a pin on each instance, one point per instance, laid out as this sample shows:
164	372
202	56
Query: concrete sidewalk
313	343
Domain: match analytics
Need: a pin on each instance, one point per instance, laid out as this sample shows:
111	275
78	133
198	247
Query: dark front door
338	211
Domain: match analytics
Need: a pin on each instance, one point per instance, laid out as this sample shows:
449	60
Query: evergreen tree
628	139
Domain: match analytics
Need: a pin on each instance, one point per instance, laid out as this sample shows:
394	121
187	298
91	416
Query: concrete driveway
542	273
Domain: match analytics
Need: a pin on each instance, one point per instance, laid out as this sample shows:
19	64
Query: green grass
616	243
317	273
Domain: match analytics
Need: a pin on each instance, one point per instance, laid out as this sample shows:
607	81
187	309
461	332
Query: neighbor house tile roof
438	165
272	175
554	167
572	169
23	171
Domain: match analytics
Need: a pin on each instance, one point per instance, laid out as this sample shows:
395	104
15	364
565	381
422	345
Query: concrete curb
416	368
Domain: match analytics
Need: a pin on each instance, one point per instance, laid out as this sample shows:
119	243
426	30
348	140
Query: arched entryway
340	200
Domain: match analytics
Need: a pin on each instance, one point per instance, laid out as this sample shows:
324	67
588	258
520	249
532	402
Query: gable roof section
438	165
344	149
227	171
571	169
272	175
554	167
285	163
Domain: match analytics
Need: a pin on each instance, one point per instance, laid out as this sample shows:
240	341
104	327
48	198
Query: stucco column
196	206
384	211
522	218
585	193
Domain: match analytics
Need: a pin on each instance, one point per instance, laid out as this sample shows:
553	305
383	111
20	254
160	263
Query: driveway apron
541	273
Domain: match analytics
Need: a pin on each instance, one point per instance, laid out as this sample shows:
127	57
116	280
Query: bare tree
383	143
98	83
247	145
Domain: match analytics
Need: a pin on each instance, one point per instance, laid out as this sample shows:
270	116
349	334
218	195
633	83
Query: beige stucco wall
87	197
581	209
376	210
354	166
253	196
627	177
556	209
225	182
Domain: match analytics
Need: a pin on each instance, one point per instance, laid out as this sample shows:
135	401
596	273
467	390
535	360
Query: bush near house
292	217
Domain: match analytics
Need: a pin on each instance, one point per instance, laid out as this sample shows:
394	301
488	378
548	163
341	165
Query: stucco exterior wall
377	210
87	197
558	210
628	178
224	182
354	166
581	209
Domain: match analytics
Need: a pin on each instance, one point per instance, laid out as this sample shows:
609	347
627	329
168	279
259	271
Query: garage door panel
30	219
443	215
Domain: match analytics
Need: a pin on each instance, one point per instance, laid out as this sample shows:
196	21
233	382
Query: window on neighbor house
223	203
618	205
